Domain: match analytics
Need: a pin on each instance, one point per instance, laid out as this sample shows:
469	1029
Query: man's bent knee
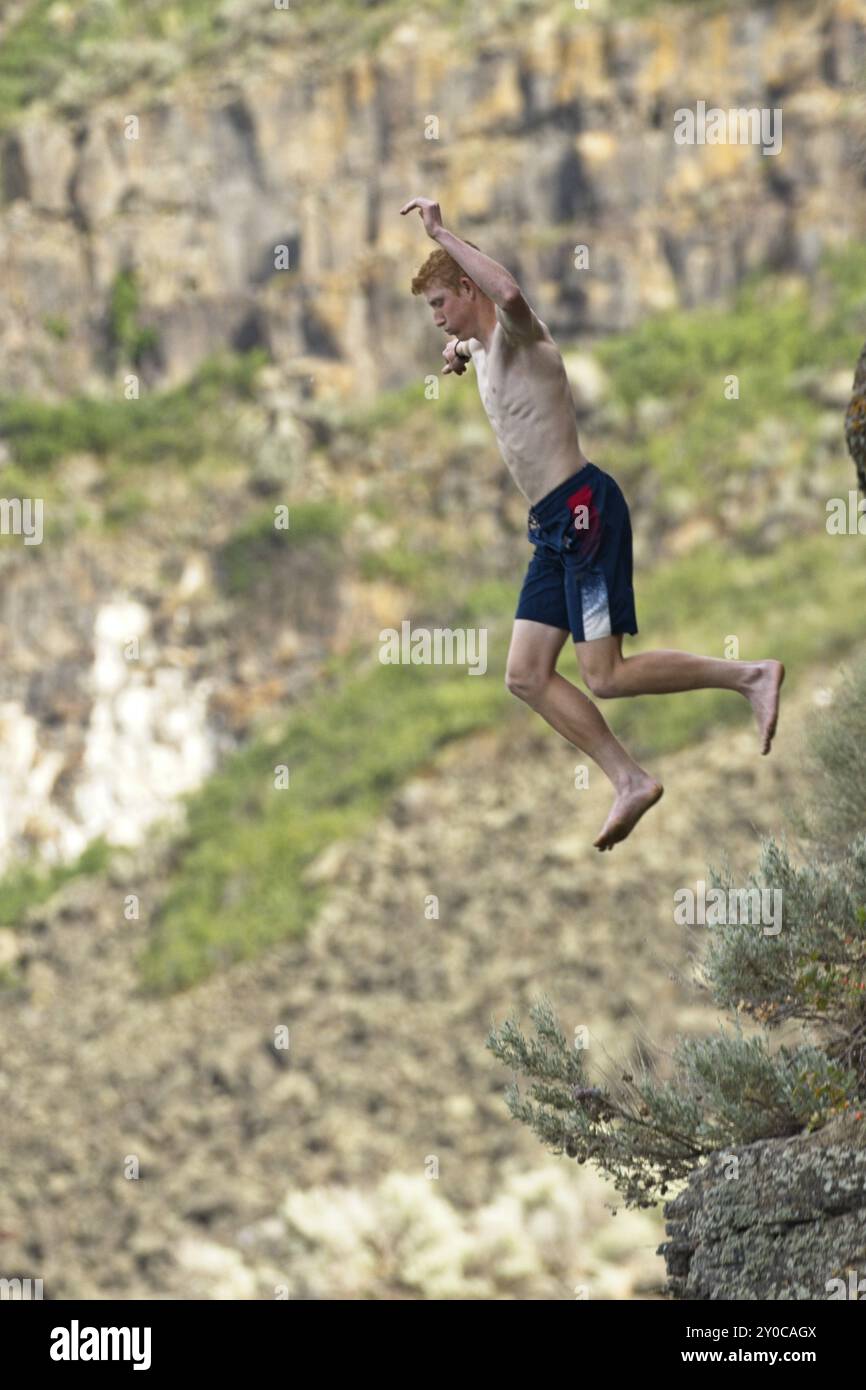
602	684
527	685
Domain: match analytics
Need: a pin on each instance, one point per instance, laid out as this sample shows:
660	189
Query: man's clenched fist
453	361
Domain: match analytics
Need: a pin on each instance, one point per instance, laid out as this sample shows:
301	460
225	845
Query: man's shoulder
521	325
538	333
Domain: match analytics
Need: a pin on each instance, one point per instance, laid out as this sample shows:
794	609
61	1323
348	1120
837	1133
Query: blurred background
237	1053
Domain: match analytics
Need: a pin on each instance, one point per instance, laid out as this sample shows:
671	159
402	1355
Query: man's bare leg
530	675
609	674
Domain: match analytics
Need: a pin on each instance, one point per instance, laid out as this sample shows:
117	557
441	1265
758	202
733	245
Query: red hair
440	268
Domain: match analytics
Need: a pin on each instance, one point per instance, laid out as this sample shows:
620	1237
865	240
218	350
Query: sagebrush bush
834	769
645	1133
815	968
727	1090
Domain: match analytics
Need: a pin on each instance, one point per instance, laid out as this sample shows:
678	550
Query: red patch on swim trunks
586	527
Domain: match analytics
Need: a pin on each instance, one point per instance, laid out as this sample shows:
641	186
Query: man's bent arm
491	277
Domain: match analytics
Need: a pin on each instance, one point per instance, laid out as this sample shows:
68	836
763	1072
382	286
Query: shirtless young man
579	579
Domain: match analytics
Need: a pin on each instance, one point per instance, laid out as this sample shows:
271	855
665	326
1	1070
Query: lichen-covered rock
779	1219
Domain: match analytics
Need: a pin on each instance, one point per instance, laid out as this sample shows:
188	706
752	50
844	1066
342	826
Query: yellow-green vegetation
237	886
106	41
29	885
130	341
185	432
340	29
833	765
109	44
402	564
251	548
177	426
774	342
57	325
391	409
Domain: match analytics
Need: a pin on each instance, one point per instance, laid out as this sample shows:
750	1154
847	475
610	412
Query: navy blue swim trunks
580	574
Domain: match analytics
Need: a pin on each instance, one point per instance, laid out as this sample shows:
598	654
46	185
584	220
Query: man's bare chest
507	388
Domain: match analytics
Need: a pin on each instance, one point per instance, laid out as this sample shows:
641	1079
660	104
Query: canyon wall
536	140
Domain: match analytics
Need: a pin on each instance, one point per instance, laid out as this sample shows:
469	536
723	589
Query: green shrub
28	886
834	768
57	325
814	968
129	341
644	1133
38	51
237	882
181	425
251	549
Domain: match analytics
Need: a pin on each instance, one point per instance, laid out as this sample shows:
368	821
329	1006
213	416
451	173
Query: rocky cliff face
127	672
781	1219
536	139
548	135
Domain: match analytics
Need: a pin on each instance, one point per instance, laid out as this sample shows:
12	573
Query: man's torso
525	391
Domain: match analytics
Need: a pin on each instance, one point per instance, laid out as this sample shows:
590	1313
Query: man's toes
608	838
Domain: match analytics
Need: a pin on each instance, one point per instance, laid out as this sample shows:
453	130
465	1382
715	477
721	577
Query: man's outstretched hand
431	214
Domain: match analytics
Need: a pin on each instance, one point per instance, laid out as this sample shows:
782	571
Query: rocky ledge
778	1219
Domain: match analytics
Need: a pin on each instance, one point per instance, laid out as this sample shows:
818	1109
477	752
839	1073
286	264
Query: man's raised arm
493	279
517	319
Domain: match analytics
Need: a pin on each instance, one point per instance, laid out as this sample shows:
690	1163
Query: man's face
453	312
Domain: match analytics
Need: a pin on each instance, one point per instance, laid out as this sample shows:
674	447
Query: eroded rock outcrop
776	1220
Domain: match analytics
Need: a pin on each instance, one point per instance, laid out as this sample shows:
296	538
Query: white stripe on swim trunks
594	607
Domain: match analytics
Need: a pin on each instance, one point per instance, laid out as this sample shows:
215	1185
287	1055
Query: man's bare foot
762	692
627	810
